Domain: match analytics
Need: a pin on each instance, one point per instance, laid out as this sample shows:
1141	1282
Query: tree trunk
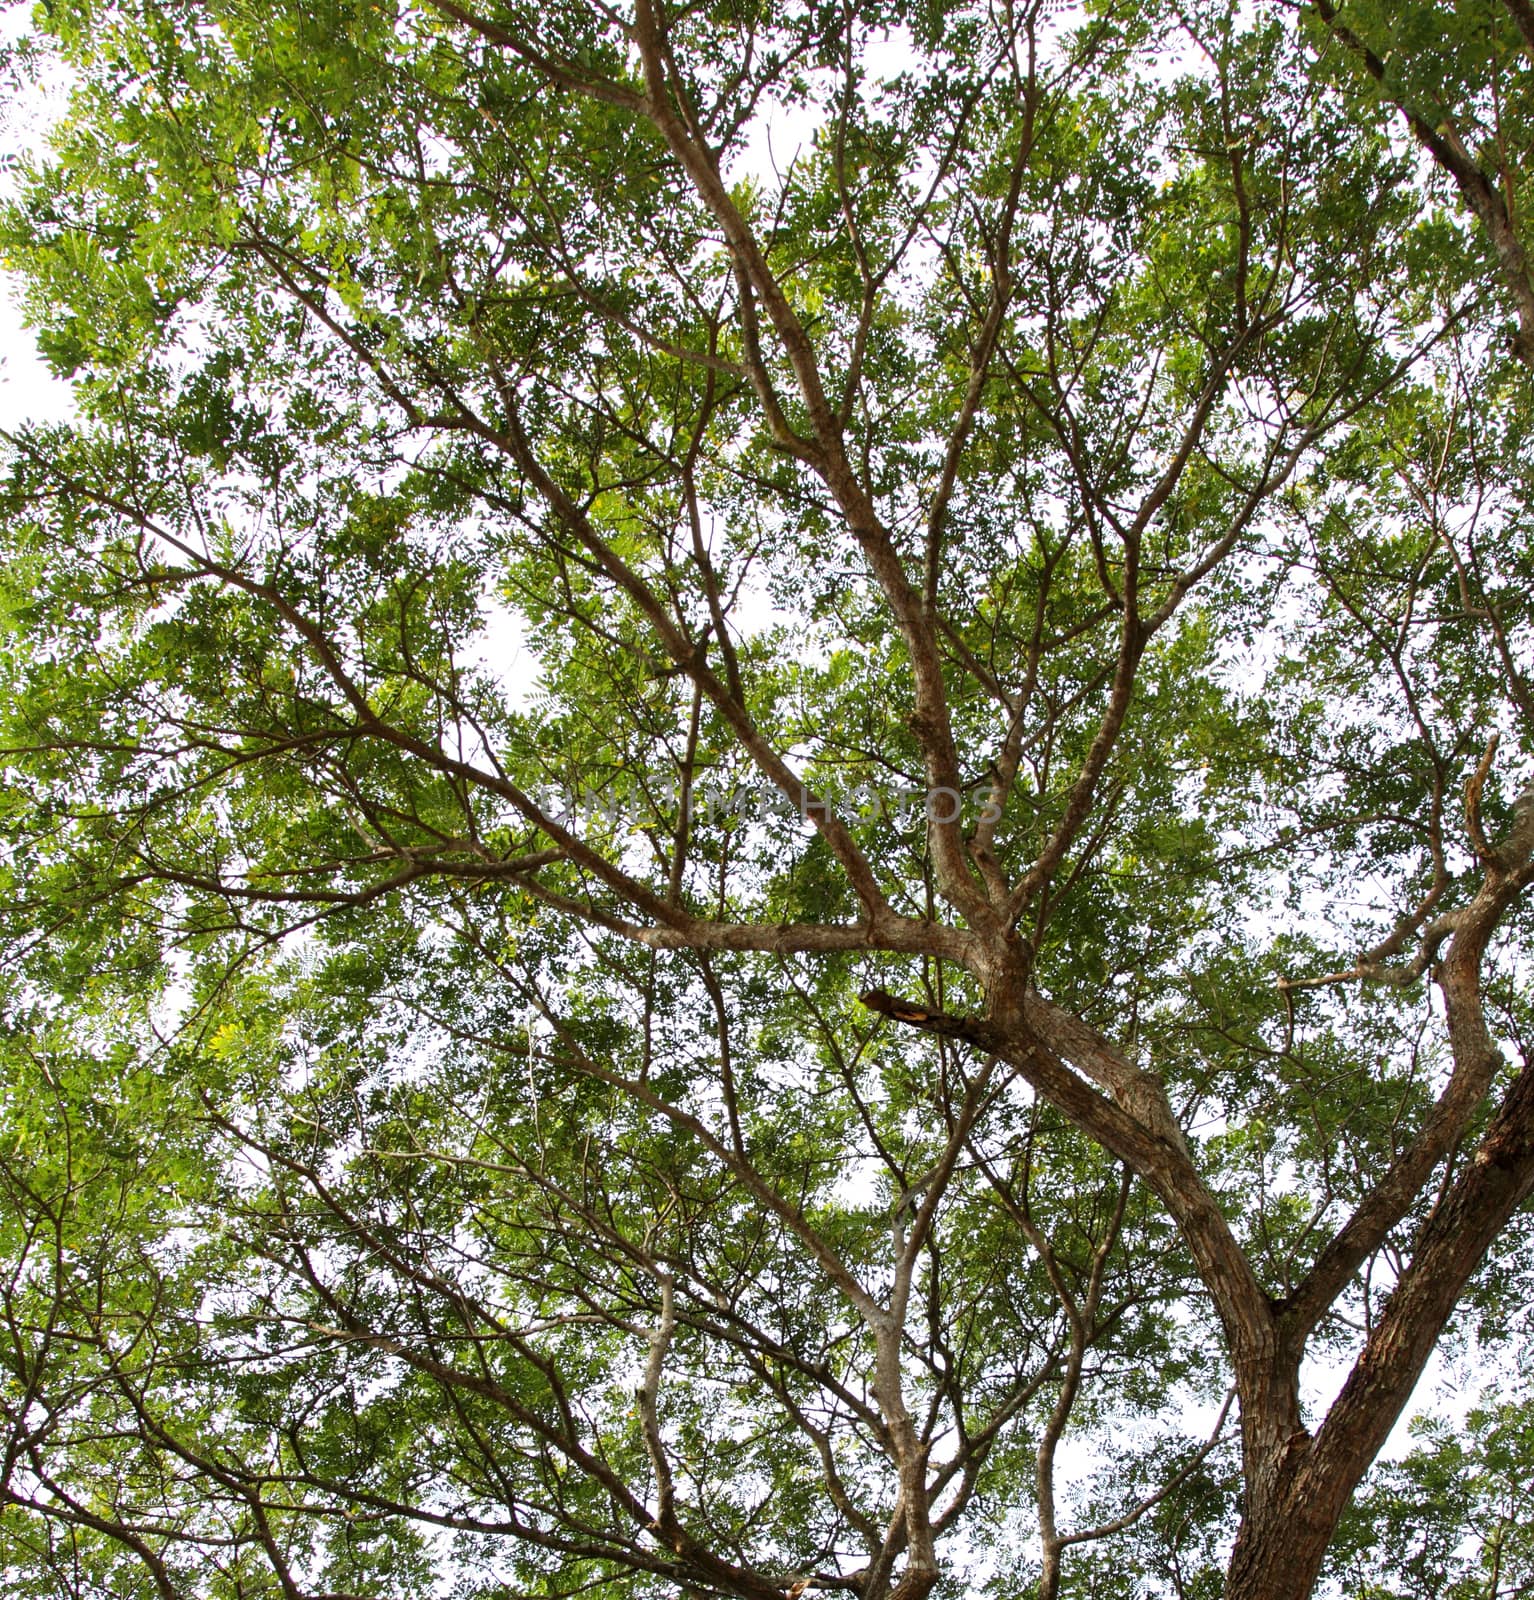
1293	1507
1279	1557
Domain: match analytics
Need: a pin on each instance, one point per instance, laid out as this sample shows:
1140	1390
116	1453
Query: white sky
29	392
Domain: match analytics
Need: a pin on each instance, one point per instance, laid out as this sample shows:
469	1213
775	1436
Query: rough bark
1291	1519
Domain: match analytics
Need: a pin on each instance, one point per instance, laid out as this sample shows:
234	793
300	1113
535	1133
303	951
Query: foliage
1452	1518
762	797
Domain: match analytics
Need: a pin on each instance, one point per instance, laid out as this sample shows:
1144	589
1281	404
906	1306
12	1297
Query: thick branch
1476	1062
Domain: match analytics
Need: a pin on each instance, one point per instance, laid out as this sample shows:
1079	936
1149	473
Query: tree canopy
766	800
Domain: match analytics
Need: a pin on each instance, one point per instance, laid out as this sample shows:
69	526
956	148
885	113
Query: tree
744	862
